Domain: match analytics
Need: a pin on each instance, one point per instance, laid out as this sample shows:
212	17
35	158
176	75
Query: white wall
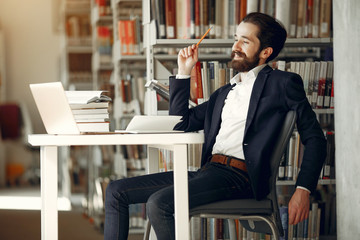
32	50
347	116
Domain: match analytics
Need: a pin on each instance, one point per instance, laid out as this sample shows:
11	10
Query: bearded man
241	121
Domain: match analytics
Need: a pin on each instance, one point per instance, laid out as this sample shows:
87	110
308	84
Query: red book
170	19
242	9
310	16
122	36
197	19
196	90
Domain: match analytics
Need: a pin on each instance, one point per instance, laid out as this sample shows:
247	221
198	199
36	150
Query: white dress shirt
233	117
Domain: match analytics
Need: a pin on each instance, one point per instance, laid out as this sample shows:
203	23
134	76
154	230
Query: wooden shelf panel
225	43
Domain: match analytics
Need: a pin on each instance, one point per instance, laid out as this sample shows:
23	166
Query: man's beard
246	64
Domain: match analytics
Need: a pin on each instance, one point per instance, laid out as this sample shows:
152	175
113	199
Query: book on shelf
318	81
104	7
184	19
104	42
328	171
129	34
78	30
170	19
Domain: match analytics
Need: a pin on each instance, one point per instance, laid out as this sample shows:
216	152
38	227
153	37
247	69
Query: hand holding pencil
188	57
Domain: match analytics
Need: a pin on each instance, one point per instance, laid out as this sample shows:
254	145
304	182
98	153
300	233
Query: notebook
152	124
57	116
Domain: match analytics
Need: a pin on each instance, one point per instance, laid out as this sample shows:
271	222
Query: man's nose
236	46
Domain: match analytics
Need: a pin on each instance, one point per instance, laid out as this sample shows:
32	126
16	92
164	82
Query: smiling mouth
238	55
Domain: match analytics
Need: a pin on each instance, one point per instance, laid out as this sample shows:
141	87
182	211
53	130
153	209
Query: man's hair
271	32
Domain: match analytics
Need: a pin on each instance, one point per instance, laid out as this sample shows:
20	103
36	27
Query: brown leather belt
229	161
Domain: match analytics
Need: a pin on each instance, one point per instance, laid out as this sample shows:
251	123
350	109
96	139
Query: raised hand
187	58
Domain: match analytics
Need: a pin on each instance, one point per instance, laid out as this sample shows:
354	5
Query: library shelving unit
76	70
315	49
102	42
127	80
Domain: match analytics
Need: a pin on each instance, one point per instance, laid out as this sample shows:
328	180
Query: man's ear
266	53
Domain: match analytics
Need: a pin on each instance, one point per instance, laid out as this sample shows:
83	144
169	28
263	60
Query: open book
85	97
162	90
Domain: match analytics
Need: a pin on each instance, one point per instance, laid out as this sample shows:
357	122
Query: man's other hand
299	206
187	58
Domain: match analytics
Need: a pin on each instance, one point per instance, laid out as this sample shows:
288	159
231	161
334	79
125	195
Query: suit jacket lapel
256	94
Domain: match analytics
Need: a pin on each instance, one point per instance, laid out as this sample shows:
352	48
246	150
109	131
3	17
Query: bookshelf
102	42
112	68
124	75
76	69
300	46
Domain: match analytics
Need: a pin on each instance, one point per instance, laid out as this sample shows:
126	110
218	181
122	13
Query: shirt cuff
303	188
178	76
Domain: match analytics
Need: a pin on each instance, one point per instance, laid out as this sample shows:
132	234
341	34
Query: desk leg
49	191
181	192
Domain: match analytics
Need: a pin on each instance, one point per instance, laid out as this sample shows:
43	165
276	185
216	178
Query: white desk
49	171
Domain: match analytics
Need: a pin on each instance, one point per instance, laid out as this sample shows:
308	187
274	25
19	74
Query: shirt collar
243	75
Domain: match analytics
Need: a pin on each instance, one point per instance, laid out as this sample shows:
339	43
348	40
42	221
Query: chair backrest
279	149
280	146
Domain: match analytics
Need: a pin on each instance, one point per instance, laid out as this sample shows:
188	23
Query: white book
282	13
89	105
306	79
94	127
281	65
225	20
90	116
252	6
311	82
90	111
315	84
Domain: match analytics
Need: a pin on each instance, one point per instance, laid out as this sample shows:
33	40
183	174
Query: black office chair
256	216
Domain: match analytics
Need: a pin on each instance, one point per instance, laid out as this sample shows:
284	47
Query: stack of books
90	110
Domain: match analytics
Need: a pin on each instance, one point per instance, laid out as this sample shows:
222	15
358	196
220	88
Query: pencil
202	38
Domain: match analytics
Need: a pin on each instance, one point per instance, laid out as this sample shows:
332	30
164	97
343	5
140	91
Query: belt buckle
228	160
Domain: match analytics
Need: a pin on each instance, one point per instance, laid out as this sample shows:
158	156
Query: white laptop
54	108
57	117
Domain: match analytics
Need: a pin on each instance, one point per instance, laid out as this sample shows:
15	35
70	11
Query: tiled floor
26	224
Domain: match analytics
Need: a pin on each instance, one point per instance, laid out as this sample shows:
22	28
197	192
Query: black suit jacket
274	94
